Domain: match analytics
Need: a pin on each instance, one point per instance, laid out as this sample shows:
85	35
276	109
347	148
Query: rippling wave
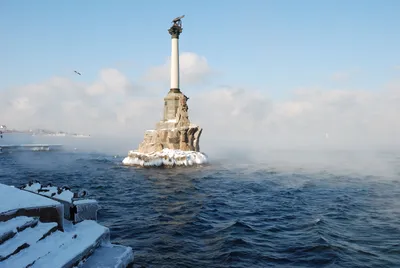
230	216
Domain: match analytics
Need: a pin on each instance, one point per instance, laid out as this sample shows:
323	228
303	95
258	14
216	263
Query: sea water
236	214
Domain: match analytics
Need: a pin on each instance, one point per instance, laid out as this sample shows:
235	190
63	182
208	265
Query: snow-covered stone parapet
76	209
58	193
85	209
166	157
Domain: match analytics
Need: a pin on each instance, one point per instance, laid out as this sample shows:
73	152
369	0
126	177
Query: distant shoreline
47	133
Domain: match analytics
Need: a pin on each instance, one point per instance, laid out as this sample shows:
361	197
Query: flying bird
77	72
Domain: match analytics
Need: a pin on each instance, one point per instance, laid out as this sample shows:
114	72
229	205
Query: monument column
175	31
171	101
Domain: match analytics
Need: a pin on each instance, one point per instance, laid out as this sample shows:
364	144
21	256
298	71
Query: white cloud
343	76
62	104
340	76
232	117
109	80
194	69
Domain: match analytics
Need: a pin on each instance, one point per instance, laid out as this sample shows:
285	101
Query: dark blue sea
236	213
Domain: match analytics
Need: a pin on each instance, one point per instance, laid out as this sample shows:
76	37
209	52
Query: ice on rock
166	157
109	256
86	210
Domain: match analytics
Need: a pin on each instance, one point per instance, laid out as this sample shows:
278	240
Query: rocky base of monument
184	138
174	142
166	158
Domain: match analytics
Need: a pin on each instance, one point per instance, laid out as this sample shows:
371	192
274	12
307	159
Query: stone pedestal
175	130
171	103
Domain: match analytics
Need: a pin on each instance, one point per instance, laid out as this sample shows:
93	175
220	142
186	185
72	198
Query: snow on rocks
166	157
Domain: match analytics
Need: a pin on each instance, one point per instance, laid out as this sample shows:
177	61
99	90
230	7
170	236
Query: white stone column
175	31
175	63
171	101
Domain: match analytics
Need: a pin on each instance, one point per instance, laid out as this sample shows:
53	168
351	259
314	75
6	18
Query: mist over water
98	143
298	208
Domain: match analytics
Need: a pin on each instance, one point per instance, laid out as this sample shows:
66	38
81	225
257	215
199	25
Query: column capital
175	31
174	90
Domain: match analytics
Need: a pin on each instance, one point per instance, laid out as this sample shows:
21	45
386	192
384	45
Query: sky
259	73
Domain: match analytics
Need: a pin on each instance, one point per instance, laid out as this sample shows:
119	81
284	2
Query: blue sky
275	46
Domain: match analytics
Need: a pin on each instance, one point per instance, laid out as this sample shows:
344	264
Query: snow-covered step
15	199
25	239
109	256
62	249
10	228
30	255
15	203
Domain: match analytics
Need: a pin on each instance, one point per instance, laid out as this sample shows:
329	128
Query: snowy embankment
166	157
34	233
